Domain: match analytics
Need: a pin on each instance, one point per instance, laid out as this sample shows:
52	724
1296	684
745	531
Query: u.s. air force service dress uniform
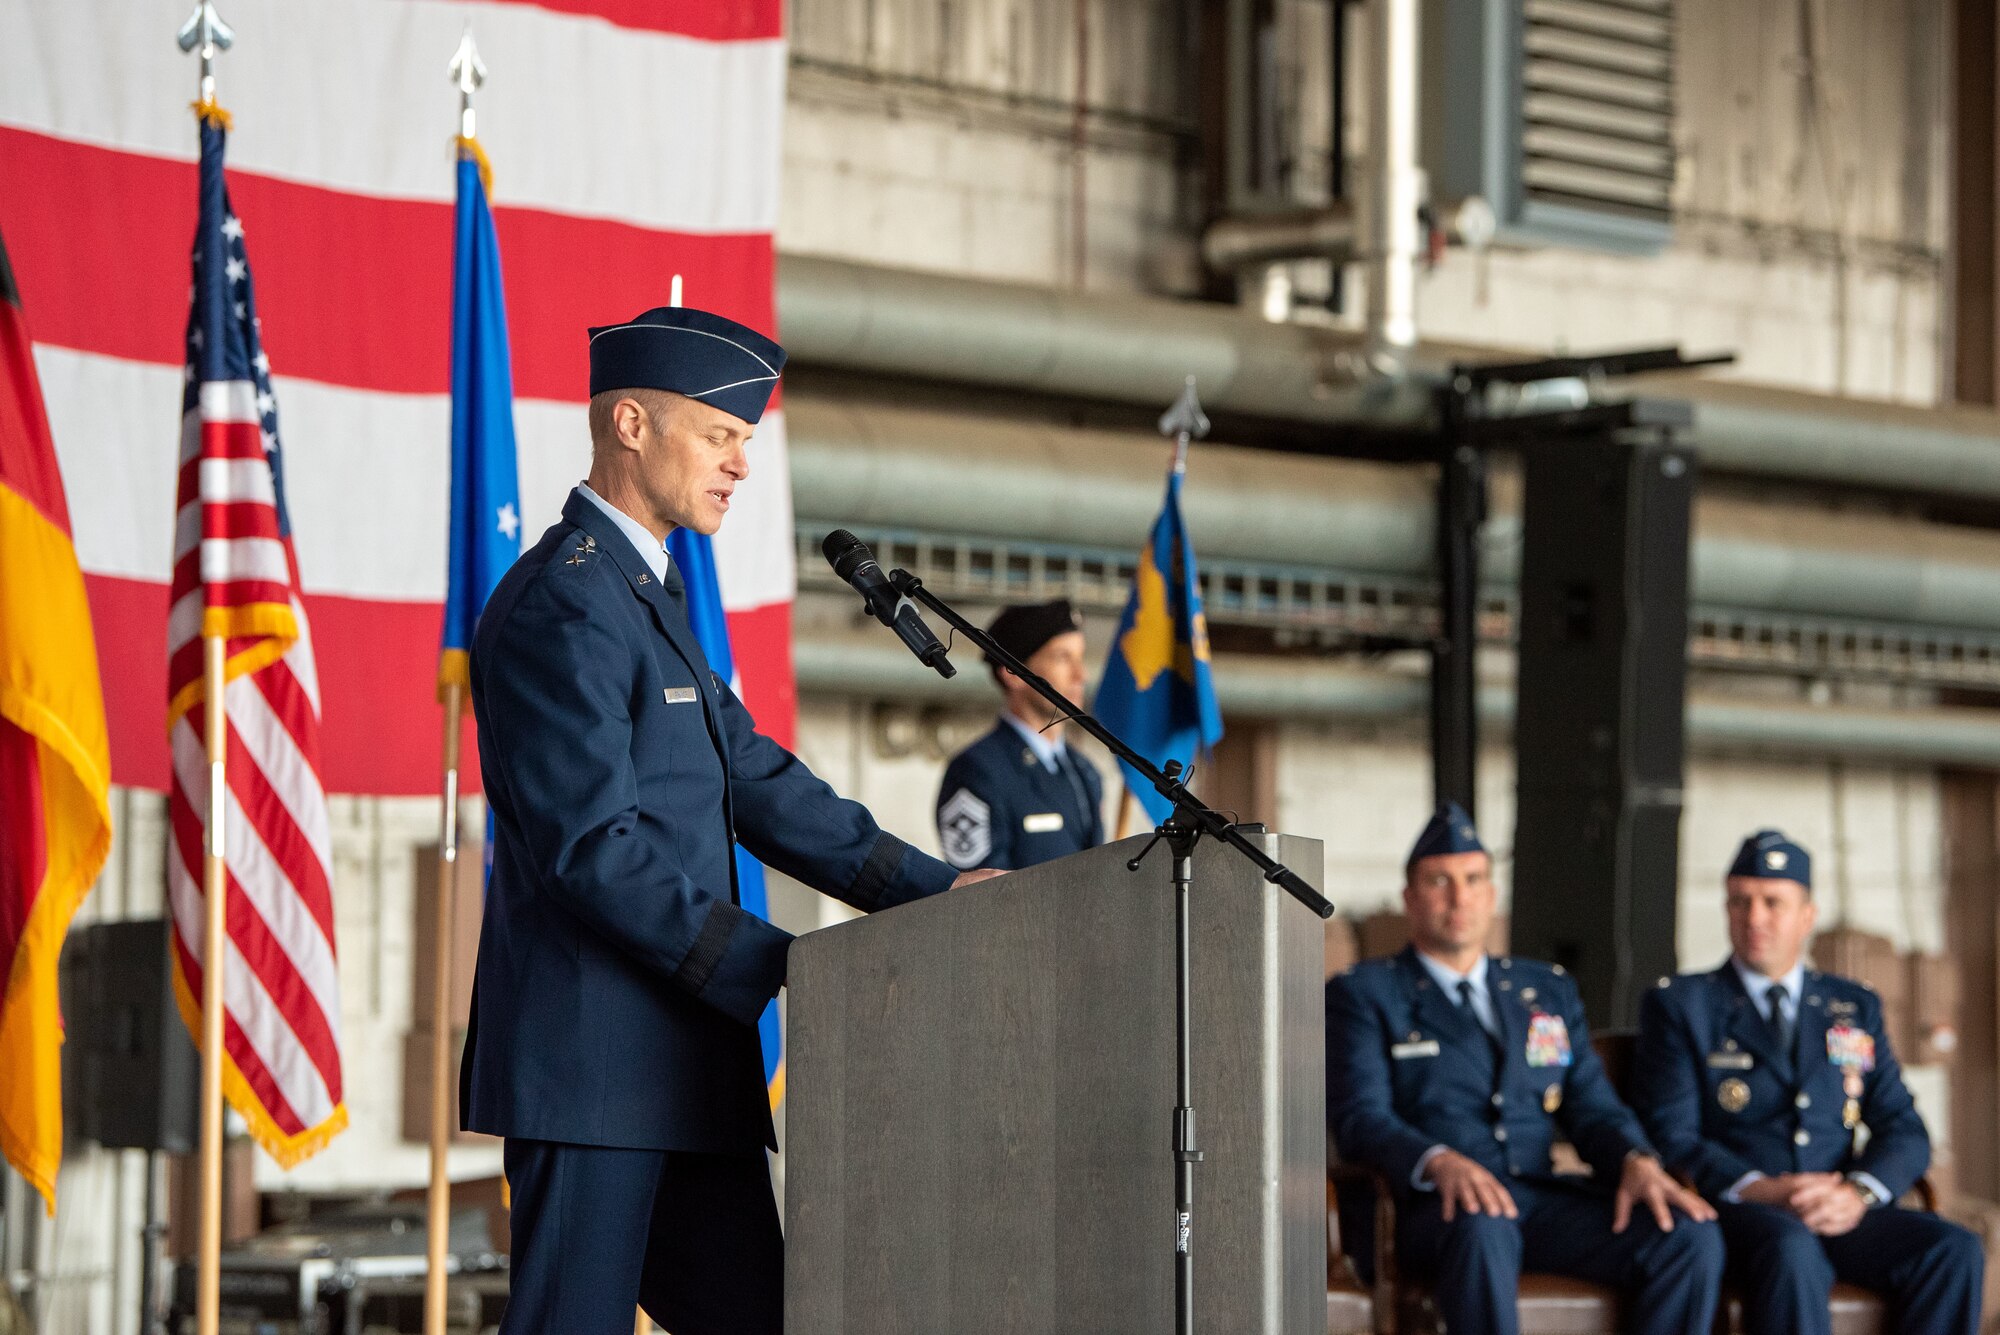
1002	805
1412	1069
613	1038
1727	1102
1015	798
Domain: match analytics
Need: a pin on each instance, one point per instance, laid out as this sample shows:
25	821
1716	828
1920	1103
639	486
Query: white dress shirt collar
1045	747
651	550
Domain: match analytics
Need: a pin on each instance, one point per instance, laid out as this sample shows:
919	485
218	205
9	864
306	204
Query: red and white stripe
341	169
281	984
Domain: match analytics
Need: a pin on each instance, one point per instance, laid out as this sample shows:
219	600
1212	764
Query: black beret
1023	630
686	351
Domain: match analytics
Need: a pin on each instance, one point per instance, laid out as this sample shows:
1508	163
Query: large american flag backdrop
631	140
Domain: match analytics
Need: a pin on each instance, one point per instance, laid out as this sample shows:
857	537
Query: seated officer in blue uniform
1019	795
1453	1073
613	1039
1755	1079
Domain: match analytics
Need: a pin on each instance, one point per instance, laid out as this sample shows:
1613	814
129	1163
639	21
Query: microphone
853	562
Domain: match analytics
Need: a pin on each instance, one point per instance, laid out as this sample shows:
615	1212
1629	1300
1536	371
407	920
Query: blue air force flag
485	478
1158	693
693	556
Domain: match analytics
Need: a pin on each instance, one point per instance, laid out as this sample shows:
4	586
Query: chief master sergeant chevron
1758	1079
613	1039
1452	1073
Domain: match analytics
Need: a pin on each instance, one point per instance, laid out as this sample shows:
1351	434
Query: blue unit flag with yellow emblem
485	476
693	555
1158	691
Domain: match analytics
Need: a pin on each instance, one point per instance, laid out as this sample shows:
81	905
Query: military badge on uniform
1733	1095
1548	1040
1552	1099
966	824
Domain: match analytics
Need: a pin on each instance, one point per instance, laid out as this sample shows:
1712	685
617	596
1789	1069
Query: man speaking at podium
613	1039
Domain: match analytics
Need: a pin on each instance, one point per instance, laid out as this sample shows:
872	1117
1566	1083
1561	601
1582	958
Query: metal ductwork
870	464
1132	349
1252	687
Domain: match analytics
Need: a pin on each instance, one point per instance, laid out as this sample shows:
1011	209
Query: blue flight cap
685	351
1449	831
1769	854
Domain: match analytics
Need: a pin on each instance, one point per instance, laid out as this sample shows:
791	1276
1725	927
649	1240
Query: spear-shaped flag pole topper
206	30
468	72
1185	421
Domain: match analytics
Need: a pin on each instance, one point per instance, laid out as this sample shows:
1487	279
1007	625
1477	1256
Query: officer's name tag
1042	822
1403	1051
682	695
1730	1061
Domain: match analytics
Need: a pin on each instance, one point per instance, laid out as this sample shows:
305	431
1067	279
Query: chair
1350	1307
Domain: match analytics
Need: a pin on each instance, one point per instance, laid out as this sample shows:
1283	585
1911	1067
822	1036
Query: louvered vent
1560	113
1597	109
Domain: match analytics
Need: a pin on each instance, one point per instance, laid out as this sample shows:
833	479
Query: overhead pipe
872	667
1251	239
1395	185
868	464
1139	350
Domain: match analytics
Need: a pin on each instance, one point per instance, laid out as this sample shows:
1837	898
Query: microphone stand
1192	819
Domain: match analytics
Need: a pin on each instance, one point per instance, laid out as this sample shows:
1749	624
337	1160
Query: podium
980	1094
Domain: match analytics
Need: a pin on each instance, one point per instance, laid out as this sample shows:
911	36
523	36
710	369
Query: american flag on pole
235	574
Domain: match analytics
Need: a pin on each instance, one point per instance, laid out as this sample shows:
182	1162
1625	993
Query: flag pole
214	948
439	1221
206	31
641	1323
467	72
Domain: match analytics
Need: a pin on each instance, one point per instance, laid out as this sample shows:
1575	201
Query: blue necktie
1781	1026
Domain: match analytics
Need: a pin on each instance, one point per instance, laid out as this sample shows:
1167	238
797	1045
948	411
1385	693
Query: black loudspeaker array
1601	693
132	1077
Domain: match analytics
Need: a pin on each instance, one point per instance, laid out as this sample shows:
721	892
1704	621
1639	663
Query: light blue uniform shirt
651	550
1046	748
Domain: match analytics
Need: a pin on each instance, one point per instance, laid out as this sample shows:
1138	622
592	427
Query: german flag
55	763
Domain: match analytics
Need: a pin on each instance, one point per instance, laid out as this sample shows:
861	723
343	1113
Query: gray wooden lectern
981	1093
